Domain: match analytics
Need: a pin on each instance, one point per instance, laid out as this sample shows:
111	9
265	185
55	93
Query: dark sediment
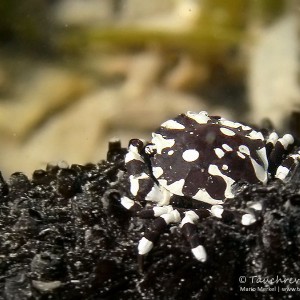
64	235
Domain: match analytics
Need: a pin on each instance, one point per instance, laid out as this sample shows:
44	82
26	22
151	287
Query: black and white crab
197	157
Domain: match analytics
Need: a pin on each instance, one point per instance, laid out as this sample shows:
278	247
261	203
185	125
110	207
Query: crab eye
136	143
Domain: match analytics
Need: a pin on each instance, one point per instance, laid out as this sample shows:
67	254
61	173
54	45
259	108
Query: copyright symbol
242	279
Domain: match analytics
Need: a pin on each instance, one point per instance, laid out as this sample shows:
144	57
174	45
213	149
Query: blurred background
76	73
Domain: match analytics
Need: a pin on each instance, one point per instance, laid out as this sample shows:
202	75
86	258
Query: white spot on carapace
255	135
160	142
230	123
144	246
225	167
219	152
214	170
204	196
241	155
171	152
190	155
176	187
244	149
227	131
157	171
227	147
201	118
172	124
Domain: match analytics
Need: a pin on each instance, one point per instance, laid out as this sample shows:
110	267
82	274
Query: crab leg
189	230
245	219
278	151
158	226
288	165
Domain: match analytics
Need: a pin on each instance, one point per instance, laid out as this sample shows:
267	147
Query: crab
197	158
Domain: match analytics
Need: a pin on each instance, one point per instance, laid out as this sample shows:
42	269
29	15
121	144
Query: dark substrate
64	235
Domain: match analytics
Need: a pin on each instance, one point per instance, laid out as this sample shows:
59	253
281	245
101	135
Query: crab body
199	157
202	157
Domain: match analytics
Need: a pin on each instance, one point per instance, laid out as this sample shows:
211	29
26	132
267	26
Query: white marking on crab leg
190	232
260	172
160	142
201	117
133	154
214	170
171	217
171	152
256	206
286	140
248	219
144	246
160	210
172	124
282	172
203	196
134	185
134	182
273	137
200	253
219	152
262	153
189	217
217	211
127	202
130	204
287	165
227	147
227	131
190	155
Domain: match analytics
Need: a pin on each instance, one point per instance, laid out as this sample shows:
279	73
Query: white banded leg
189	230
270	143
288	165
280	148
245	218
157	227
